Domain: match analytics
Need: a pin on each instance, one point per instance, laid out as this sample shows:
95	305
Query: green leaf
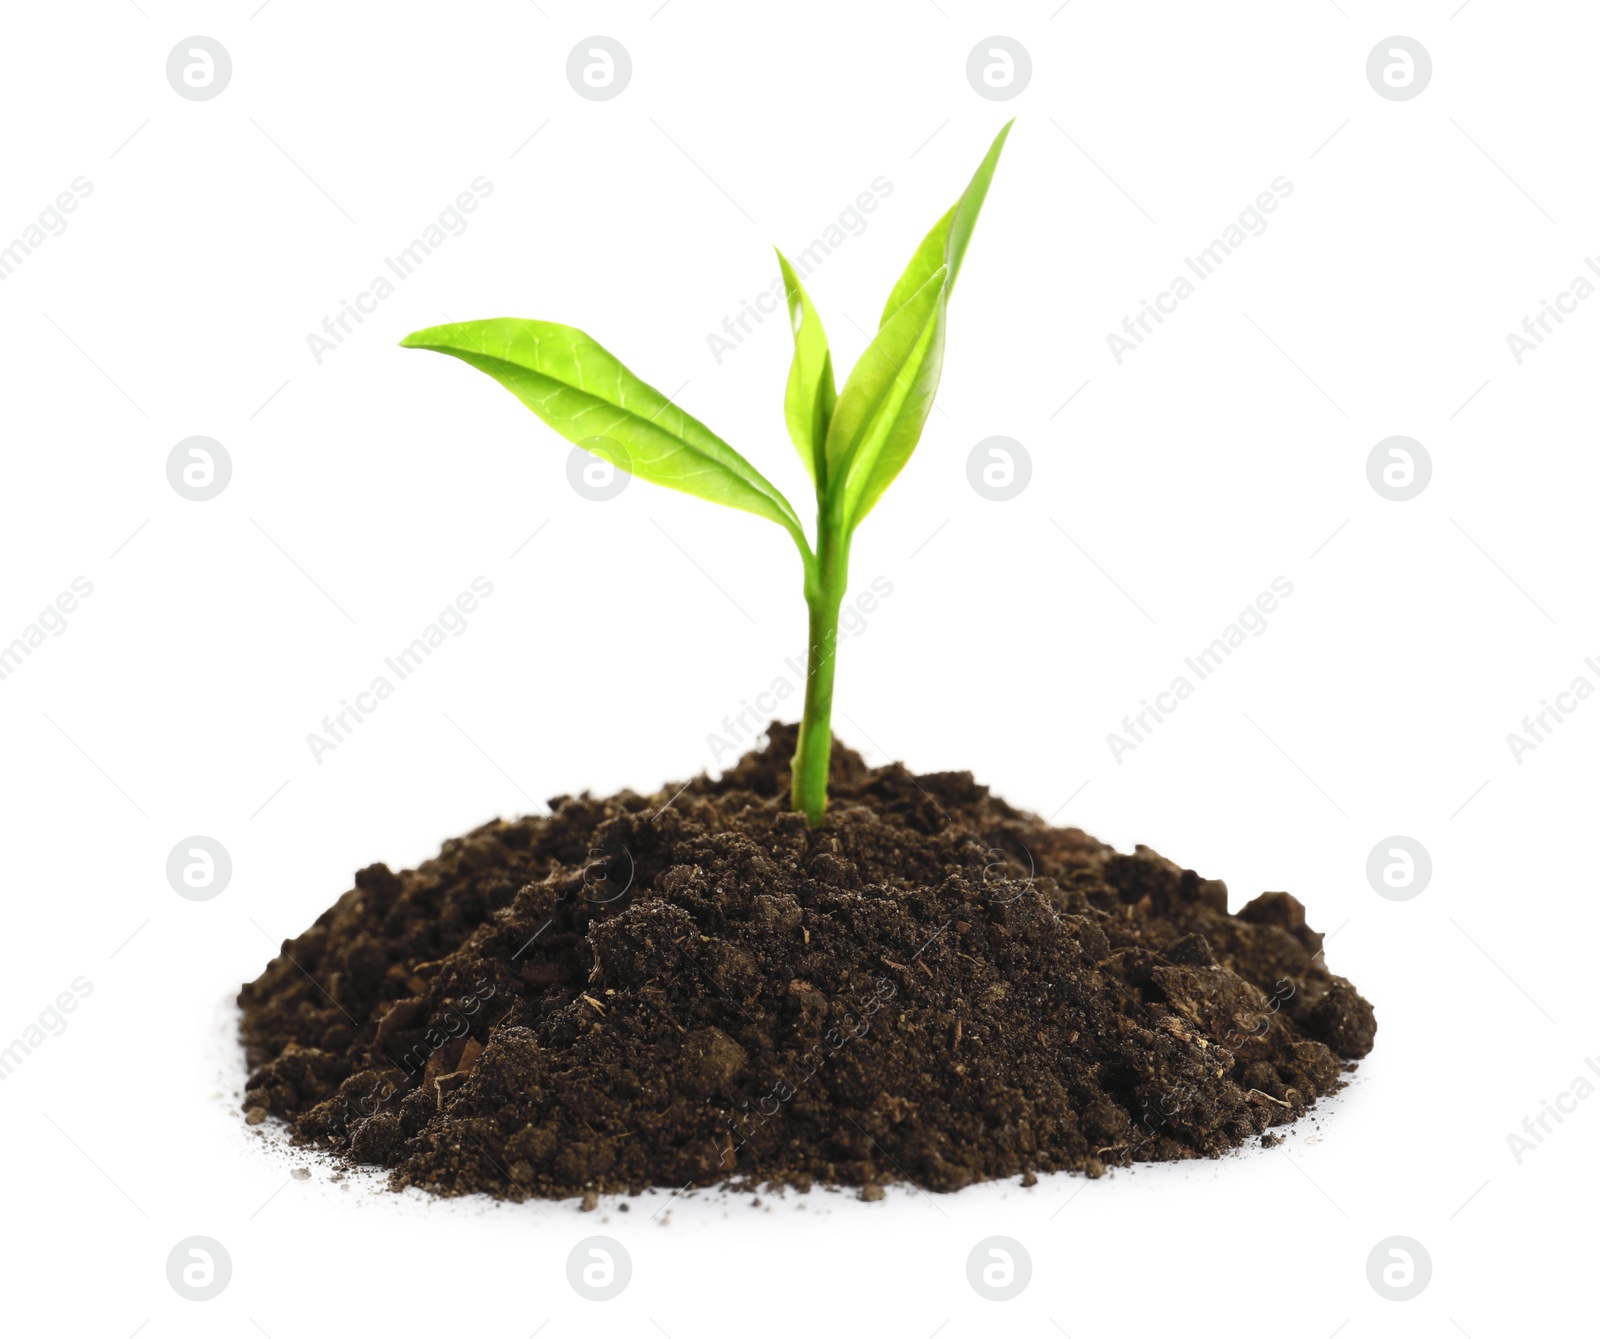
916	310
885	401
590	398
809	397
946	243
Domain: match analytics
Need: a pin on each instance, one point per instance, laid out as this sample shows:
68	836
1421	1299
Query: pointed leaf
946	242
590	398
929	256
871	479
896	434
886	398
810	396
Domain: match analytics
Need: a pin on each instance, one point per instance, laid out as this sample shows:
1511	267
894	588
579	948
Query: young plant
853	442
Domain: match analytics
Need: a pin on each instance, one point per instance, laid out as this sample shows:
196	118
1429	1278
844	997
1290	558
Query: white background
369	489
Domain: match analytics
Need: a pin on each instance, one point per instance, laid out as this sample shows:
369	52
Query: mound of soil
933	987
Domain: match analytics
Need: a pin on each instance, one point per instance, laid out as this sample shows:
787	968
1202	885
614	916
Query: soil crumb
694	989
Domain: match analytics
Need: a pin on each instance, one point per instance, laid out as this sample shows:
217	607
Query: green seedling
853	442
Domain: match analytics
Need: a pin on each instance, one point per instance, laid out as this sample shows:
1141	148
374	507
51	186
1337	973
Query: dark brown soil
933	987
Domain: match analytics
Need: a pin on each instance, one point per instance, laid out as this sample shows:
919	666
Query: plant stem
825	588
